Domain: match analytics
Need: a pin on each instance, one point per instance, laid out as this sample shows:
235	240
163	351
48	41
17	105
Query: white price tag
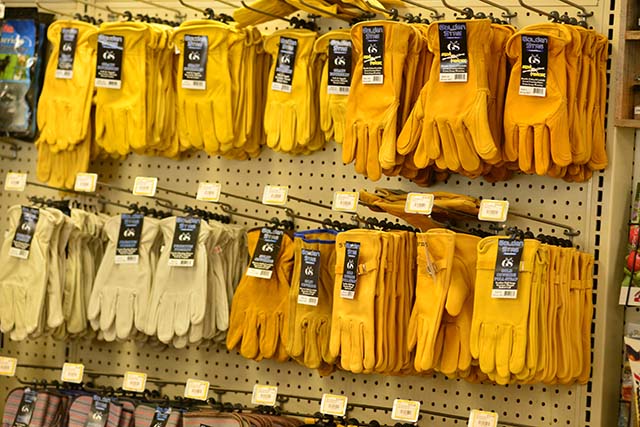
405	410
333	404
209	192
2	7
8	366
346	201
493	210
264	395
134	381
86	182
15	181
145	186
196	389
275	195
482	419
72	373
419	203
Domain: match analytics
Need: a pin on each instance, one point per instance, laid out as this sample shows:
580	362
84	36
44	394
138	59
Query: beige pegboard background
316	177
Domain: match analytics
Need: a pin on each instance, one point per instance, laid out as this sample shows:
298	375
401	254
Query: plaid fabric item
126	418
81	407
39	416
53	409
144	416
210	419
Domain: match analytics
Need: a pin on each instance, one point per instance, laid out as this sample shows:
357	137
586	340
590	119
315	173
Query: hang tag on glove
194	66
454	56
109	65
99	412
185	242
535	60
505	279
21	244
309	276
26	408
350	271
129	235
283	76
340	67
67	53
373	55
266	253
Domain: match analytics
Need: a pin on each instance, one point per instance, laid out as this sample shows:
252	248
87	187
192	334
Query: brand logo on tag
308	271
350	264
25	408
25	227
372	49
109	55
534	59
267	247
453	46
285	59
340	60
97	416
67	47
194	56
184	237
507	262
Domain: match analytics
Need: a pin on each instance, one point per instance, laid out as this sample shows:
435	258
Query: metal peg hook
583	11
264	12
506	12
178	13
55	12
466	12
13	144
435	13
536	10
95	6
188	6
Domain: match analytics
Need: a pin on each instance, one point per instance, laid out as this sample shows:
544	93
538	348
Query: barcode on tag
508	294
338	90
458	77
372	80
181	262
194	84
347	294
281	87
260	274
18	253
127	259
64	74
533	91
108	84
306	300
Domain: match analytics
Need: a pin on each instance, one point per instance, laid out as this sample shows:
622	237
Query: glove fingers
208	128
182	315
356	359
107	309
362	144
542	149
236	327
7	314
504	343
487	347
312	356
269	335
525	155
249	346
166	331
374	171
125	306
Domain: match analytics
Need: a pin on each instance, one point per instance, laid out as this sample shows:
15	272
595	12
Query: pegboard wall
315	178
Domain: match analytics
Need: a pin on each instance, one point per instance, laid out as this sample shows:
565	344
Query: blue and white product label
535	60
309	277
185	242
109	65
99	413
340	67
350	270
25	409
266	254
128	244
160	417
194	69
454	56
505	279
373	55
66	53
21	244
285	66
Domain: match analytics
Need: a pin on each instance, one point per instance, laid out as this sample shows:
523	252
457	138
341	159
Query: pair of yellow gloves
457	126
369	330
562	134
543	335
140	115
65	107
221	113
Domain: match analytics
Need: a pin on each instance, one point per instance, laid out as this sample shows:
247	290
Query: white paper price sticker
264	395
145	186
333	404
482	419
209	191
134	381
72	373
196	389
405	410
275	195
15	181
419	203
493	210
8	366
345	201
86	182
